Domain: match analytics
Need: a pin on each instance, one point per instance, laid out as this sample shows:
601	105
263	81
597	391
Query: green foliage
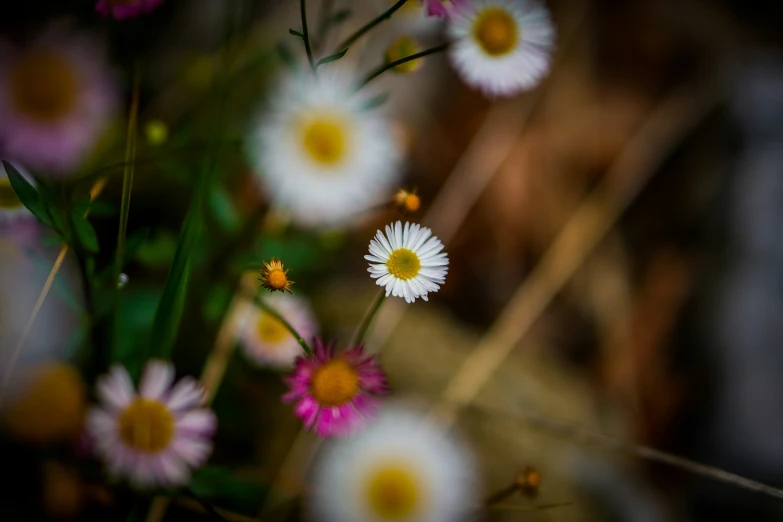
219	486
331	58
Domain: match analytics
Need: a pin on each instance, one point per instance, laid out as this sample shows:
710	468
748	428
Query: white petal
156	379
116	389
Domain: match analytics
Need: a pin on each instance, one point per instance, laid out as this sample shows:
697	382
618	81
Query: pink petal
307	409
156	380
194	452
187	393
116	389
201	422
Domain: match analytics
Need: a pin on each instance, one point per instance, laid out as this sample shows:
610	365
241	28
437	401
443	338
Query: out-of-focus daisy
335	393
403	47
274	276
402	467
407	201
156	436
320	152
122	9
57	95
439	8
502	46
266	341
408	261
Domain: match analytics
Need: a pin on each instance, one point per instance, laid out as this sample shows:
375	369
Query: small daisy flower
408	261
154	437
321	153
407	201
335	393
274	276
266	341
403	47
402	467
501	46
123	9
57	96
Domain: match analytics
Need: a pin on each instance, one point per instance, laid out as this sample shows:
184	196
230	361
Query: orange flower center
334	384
43	86
277	279
394	491
495	31
147	425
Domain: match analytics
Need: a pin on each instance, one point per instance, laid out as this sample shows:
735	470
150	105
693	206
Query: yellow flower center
495	31
43	86
334	384
402	47
394	492
276	279
325	140
403	264
8	198
147	425
270	330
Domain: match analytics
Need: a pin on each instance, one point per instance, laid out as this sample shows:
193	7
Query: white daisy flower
408	261
155	437
266	341
320	152
401	467
501	46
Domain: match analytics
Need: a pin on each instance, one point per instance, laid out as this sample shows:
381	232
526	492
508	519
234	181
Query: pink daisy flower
154	437
57	96
335	393
124	9
437	7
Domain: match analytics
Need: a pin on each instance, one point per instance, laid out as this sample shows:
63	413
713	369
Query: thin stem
363	30
391	65
271	311
372	311
306	35
127	178
500	496
211	511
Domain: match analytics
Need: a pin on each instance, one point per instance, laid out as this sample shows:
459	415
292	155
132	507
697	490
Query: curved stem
271	311
127	178
391	65
363	30
306	35
361	330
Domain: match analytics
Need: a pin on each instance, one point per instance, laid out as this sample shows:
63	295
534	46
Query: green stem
306	35
271	311
363	30
391	65
127	177
372	311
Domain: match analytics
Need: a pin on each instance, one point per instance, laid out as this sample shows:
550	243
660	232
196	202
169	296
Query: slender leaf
223	209
84	231
27	193
376	101
331	58
296	33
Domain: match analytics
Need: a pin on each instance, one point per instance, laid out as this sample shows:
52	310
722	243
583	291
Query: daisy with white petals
320	152
408	261
154	437
266	341
501	46
400	468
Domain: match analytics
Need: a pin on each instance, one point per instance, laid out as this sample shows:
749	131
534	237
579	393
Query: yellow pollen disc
270	330
412	203
495	31
276	279
394	492
324	140
334	384
146	425
43	86
403	264
8	197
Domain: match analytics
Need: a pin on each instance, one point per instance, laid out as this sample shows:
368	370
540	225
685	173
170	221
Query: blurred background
616	228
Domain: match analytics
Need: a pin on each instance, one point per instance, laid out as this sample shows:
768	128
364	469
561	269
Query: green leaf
27	193
331	58
102	208
286	56
341	16
84	232
296	33
157	252
220	487
223	209
376	101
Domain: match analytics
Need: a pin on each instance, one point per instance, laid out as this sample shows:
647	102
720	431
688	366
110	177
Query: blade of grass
127	177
